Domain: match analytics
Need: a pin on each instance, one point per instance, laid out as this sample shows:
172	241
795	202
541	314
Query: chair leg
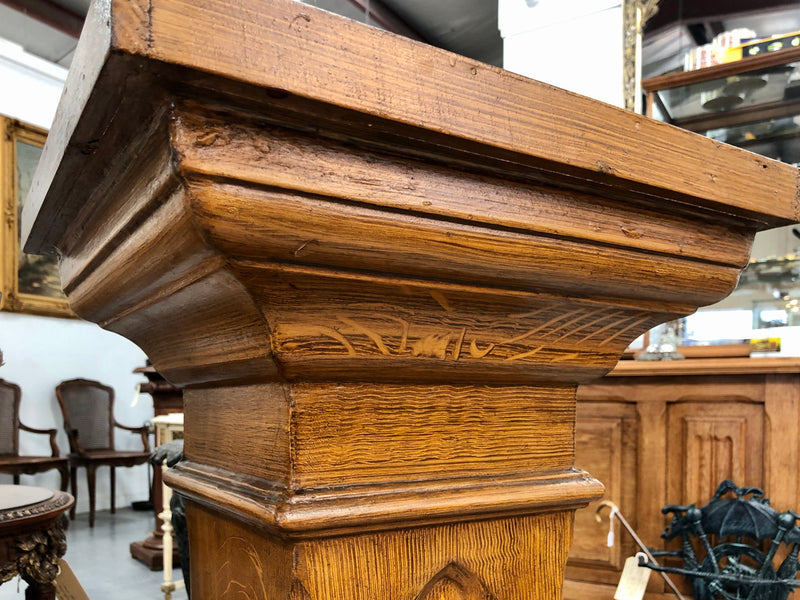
90	479
16	478
64	472
113	491
73	478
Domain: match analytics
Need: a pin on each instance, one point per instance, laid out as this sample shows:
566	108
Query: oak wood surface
428	93
707	366
448	562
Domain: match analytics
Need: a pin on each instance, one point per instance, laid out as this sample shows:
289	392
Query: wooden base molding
521	556
379	271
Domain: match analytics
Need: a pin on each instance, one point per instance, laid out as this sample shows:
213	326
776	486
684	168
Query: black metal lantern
739	536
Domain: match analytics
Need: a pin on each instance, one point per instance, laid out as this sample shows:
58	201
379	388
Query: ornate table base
32	537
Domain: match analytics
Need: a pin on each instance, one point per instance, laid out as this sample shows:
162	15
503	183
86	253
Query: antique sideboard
379	270
658	433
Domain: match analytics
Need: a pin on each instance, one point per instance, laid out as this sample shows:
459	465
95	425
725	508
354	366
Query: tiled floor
102	561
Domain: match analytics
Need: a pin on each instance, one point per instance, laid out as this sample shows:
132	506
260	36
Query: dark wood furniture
32	537
379	270
10	460
659	433
88	410
167	399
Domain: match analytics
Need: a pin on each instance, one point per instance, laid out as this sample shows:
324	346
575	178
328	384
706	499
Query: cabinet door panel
605	447
708	442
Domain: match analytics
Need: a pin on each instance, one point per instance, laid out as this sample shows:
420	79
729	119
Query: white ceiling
36	37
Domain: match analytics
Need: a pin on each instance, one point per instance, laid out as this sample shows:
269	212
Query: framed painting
29	283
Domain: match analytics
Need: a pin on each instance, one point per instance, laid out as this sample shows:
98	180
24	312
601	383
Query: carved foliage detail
384	331
455	582
36	555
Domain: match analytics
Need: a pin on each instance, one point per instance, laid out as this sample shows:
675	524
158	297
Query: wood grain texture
708	366
328	324
361	434
502	558
431	100
256	224
259	414
249	45
715	440
350	509
605	445
213	145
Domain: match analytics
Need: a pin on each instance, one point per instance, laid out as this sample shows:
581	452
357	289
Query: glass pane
776	138
37	274
751	89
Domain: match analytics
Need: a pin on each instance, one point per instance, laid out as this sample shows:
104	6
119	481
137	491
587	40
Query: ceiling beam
687	12
49	13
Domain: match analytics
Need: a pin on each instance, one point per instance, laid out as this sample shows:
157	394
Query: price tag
634	580
67	585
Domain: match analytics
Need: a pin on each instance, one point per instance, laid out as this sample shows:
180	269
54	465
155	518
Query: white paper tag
633	581
138	391
67	585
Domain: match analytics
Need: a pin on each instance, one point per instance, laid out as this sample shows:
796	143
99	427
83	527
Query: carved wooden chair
10	426
88	410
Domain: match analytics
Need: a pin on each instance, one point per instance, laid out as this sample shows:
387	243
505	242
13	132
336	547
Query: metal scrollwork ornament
729	546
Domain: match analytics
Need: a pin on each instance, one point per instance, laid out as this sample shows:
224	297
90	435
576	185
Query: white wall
575	45
40	352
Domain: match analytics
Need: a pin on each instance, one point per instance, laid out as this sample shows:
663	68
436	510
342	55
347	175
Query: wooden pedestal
379	271
167	399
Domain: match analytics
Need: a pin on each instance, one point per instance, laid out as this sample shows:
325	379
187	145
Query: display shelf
753	103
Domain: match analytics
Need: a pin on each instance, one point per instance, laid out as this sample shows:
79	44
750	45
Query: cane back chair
88	410
10	460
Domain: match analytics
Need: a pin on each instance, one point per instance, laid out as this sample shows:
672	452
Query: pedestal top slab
294	63
262	191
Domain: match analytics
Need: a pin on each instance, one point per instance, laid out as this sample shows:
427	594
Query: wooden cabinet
669	432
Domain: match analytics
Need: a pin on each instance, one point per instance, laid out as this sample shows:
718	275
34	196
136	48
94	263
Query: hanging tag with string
633	582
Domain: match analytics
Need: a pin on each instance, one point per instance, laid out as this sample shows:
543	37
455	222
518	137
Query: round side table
33	536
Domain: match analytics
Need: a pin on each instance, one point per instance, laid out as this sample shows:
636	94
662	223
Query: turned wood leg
40	591
73	478
113	490
90	481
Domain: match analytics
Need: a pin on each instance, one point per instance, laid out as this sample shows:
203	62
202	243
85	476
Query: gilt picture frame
28	283
635	14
